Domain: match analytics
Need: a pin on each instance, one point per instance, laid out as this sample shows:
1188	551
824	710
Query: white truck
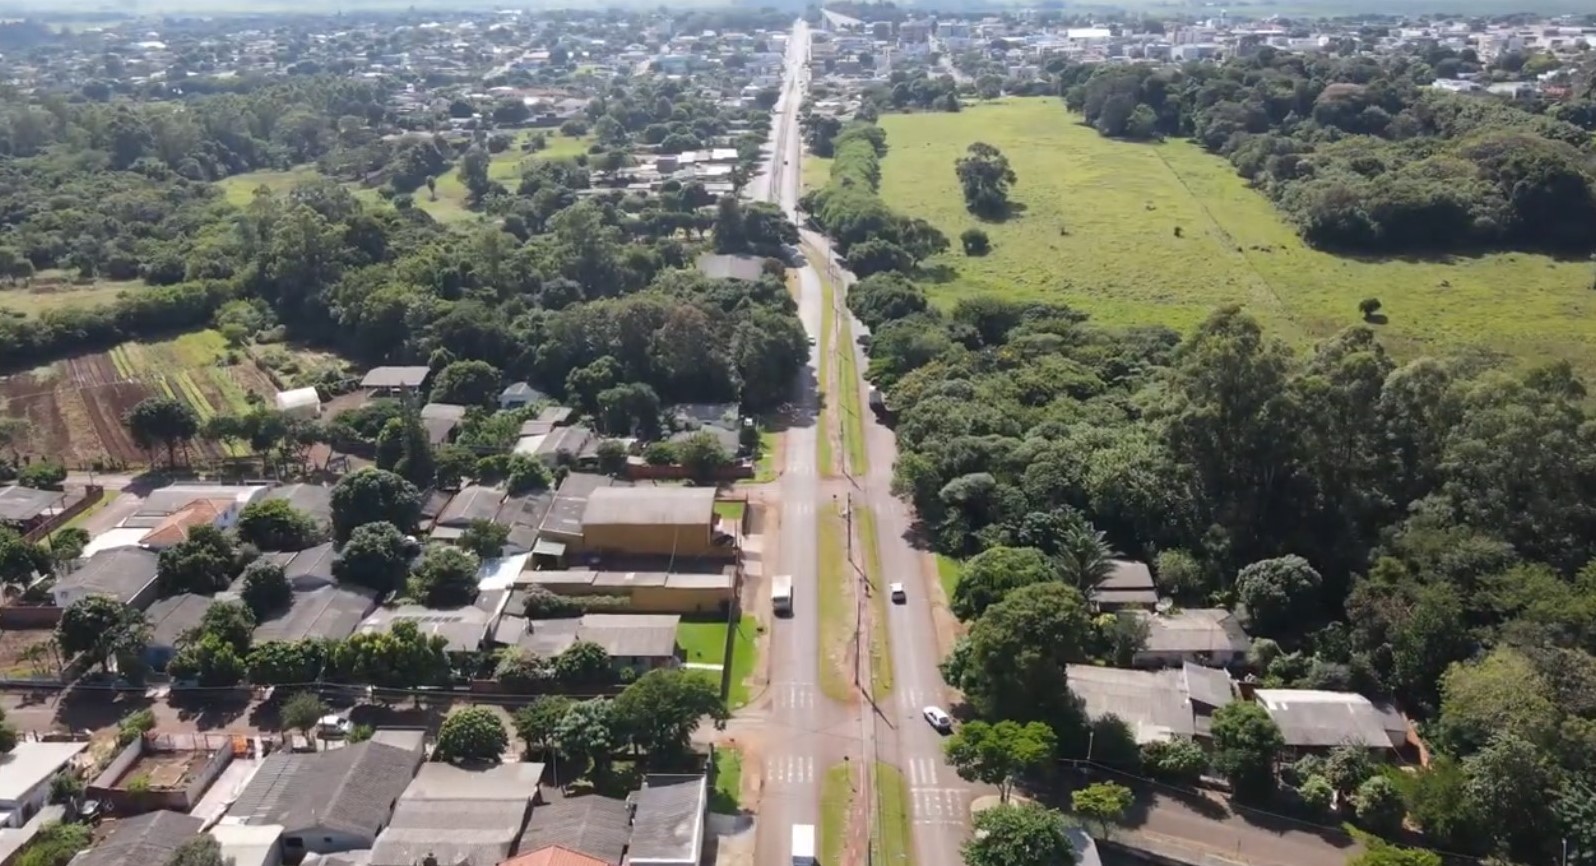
781	594
803	845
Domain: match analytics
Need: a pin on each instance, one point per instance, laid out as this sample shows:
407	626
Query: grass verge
731	509
836	605
891	840
948	571
836	802
726	799
853	435
765	466
823	377
705	643
881	675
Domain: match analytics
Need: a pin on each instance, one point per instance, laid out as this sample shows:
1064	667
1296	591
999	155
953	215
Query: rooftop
1130	583
174	528
731	267
31	763
463	627
440	781
668	826
1203	630
395	377
1152	703
593	825
471	503
143	839
554	855
631	635
313	499
1314	718
332	612
566	512
171	617
121	573
166	501
651	506
454	832
356	788
1208	686
21	504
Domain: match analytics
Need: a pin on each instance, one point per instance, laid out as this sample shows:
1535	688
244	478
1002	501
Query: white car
333	726
898	595
938	719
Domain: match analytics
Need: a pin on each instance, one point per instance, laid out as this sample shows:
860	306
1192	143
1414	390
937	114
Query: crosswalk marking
790	770
793	696
938	806
922	772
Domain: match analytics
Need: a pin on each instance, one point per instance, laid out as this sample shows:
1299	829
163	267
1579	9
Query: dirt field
16	661
75	407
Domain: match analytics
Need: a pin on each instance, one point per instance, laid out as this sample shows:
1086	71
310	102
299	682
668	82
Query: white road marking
922	772
794	696
938	806
790	770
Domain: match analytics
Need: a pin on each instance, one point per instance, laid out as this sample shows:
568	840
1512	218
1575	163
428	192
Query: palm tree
1085	558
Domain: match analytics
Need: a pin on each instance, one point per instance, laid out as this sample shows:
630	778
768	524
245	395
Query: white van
781	594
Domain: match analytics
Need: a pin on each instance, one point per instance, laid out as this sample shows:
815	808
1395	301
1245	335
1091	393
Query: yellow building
660	521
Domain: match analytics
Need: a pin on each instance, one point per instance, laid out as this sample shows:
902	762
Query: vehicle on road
781	594
939	719
898	595
803	845
333	726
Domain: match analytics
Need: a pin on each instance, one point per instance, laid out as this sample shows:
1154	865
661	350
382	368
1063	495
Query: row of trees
1360	154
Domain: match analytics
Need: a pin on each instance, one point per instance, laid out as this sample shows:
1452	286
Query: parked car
333	726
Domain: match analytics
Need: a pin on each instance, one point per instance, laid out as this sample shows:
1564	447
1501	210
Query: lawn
731	509
239	190
948	571
1098	231
55	290
836	802
705	643
817	170
880	650
726	799
892	816
765	467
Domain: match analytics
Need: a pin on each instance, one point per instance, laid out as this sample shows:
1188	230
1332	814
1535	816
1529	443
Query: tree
989	576
8	735
1347	767
102	628
201	850
521	670
202	563
583	663
229	621
1179	760
985	177
66	787
537	722
612	458
485	538
1017	651
1019	835
702	455
1103	802
42	475
452	465
162	422
266	589
467	383
370	496
1279	593
401	657
997	754
20	560
445	576
376	556
1316	794
278	662
1368	307
209	660
302	712
55	845
1510	789
474	173
1246	743
1378	852
1083	556
275	524
975	242
1378	806
134	725
661	709
472	734
586	734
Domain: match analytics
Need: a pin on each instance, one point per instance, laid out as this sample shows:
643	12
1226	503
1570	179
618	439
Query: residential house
245	845
315	500
126	574
561	529
1211	636
440	420
471	504
576	444
170	619
554	855
152	526
669	521
636	642
720	420
320	606
1312	720
25	774
668	821
394	380
523	515
650	585
174	528
143	839
1156	705
463	627
328	802
519	394
1128	586
591	825
459	816
23	508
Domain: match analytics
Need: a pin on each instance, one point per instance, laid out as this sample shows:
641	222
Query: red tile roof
554	855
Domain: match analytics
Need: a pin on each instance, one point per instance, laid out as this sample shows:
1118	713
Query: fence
92	493
25	617
648	472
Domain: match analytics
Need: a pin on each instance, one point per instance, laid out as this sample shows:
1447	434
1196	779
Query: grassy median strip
836	605
853	435
880	649
823	373
836	804
891	838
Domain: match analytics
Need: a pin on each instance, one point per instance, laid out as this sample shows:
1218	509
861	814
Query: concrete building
670	521
1210	636
126	574
25	774
668	821
459	816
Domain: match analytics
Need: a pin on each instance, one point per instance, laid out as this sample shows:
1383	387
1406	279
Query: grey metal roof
521	391
22	504
1128	575
651	506
525	510
477	832
1152	703
1203	630
556	415
668	825
394	377
1313	718
326	612
441	781
570	502
576	440
443	411
121	573
31	763
143	839
592	825
463	627
171	617
549	637
631	635
1208	686
726	416
352	789
306	569
313	499
475	502
731	267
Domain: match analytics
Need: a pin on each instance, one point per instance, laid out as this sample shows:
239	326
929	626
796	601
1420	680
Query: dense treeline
872	236
1421	530
1360	155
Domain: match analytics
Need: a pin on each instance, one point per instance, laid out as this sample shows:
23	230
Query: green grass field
892	840
56	289
948	571
836	605
450	205
726	799
836	801
1098	232
881	674
705	643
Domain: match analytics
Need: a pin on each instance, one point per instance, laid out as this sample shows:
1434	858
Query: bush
975	242
1180	761
1316	795
1368	307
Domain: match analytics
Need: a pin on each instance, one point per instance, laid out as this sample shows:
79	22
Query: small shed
299	403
